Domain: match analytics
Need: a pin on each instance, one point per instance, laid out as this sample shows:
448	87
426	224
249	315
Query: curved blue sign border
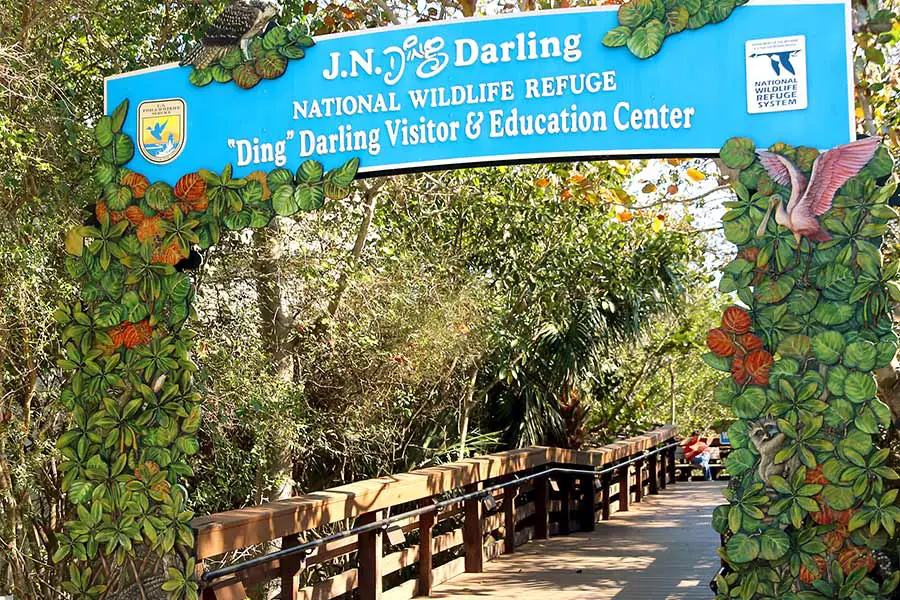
518	88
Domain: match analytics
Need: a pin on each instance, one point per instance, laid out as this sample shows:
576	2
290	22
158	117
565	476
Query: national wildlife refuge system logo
776	74
161	129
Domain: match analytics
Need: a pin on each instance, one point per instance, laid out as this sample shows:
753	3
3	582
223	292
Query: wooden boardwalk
663	549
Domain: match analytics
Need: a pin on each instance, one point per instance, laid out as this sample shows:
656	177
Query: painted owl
235	27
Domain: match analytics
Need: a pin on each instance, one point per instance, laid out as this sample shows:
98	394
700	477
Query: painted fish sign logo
161	129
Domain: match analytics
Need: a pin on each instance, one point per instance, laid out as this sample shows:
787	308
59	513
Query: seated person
697	452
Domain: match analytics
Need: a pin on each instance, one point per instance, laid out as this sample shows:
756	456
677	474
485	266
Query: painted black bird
191	263
236	26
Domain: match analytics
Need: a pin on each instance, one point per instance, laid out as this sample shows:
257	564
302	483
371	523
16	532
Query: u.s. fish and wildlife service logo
776	74
161	129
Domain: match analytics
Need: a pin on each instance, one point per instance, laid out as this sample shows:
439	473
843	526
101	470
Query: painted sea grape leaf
126	346
269	57
823	310
644	24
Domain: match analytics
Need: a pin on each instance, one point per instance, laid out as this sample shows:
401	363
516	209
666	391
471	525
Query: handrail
437	507
543	491
236	529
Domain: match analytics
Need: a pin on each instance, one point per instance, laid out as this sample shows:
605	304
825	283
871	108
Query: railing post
370	550
605	483
426	527
541	509
624	487
653	468
670	459
565	494
638	480
663	473
472	536
588	518
290	568
509	518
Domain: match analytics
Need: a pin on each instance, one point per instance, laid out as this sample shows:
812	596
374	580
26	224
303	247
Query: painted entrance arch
824	318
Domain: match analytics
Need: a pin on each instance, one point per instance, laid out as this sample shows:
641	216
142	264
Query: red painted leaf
190	187
736	320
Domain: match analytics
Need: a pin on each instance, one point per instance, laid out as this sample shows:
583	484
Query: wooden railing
457	516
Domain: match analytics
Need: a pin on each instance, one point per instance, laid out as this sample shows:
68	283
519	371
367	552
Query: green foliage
826	507
135	414
268	58
645	24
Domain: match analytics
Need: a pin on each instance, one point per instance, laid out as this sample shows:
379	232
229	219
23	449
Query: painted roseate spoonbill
811	199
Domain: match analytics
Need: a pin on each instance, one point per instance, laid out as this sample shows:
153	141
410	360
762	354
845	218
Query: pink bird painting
812	198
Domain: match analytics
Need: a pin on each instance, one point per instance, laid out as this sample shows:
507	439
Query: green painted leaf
833	313
750	404
836	281
725	391
698	19
838	497
159	196
278	178
309	196
739	231
103	131
646	40
277	36
719	363
802	300
773	544
220	73
721	10
118	116
245	76
737	152
635	12
617	36
739	462
200	77
861	355
283	201
795	346
271	66
292	52
771	290
742	548
311	171
828	346
720	518
677	19
859	387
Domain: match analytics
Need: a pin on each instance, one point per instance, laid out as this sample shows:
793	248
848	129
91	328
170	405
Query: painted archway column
811	502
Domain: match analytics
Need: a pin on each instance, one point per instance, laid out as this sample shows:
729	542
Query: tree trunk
277	332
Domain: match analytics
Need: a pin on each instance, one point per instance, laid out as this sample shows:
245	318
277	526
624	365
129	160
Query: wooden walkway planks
664	549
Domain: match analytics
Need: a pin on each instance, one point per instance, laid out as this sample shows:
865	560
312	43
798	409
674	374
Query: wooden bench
690	472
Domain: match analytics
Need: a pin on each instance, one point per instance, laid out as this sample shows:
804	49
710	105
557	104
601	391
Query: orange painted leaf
137	334
624	216
190	187
672	189
135	215
736	320
138	184
854	557
720	342
101	210
542	182
738	371
149	229
695	174
171	254
750	342
758	364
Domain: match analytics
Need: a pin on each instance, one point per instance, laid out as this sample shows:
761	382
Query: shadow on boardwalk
663	549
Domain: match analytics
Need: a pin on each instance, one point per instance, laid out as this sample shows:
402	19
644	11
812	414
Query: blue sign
520	88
